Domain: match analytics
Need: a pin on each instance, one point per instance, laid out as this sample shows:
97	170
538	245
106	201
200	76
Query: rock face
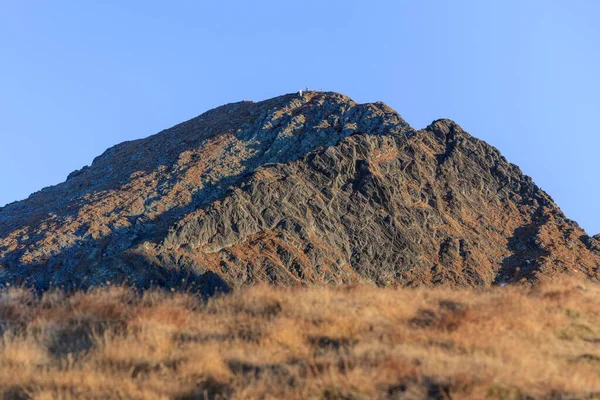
297	189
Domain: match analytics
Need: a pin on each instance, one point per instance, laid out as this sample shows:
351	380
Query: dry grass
272	343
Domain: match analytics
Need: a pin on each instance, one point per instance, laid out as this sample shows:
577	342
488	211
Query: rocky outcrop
297	189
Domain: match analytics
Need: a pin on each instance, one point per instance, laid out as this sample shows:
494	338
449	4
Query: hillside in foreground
299	189
361	342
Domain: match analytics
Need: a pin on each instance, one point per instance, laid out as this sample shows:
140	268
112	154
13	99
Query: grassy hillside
264	342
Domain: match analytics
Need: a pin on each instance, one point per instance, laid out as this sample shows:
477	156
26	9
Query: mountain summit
301	188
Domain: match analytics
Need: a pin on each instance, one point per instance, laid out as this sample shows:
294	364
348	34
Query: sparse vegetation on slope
274	343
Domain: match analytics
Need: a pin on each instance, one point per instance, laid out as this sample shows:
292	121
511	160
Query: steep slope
312	188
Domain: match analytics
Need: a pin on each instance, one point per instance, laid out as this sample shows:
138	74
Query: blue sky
78	77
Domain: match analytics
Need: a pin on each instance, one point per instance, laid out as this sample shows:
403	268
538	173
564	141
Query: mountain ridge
206	203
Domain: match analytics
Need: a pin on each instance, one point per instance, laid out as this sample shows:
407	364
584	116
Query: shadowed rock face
313	188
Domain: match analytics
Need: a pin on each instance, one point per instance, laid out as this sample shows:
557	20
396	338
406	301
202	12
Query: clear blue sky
78	77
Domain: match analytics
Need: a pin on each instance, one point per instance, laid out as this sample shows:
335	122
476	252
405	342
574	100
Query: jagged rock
296	189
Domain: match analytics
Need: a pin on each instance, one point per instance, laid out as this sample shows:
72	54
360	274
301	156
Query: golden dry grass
302	343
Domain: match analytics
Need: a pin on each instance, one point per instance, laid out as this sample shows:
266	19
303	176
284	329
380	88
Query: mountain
301	188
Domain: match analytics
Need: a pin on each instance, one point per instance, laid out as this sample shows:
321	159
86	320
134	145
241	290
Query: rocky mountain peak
309	187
